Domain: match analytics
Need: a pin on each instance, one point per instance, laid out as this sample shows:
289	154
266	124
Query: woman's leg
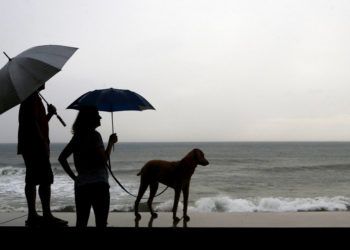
100	203
82	206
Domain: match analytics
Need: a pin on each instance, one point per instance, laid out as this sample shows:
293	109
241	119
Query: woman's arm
67	151
113	138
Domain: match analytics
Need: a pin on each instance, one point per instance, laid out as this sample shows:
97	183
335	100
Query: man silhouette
34	146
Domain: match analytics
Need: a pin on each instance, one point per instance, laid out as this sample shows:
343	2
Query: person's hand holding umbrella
51	110
113	138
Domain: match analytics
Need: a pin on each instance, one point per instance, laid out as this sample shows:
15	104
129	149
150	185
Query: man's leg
45	197
30	193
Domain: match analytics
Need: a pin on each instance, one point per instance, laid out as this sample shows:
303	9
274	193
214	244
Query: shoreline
205	220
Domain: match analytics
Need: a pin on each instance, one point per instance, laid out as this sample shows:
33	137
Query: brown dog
176	175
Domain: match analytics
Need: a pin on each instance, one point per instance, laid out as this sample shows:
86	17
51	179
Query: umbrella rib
41	53
38	60
27	71
36	79
30	73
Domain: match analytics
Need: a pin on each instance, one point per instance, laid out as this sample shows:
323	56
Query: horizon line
238	141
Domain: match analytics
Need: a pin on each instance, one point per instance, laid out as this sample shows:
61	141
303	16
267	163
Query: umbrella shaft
112	127
43	98
112	123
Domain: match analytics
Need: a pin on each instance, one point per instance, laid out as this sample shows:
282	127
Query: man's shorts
38	169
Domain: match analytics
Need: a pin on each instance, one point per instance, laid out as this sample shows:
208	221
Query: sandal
53	221
34	221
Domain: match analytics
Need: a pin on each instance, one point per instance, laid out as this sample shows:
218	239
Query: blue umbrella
111	100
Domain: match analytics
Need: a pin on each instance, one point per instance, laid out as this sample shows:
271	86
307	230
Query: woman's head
88	118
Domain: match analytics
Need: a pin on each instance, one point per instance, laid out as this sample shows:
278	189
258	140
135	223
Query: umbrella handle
60	119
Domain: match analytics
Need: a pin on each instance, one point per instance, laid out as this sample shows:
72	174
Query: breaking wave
226	204
271	204
9	170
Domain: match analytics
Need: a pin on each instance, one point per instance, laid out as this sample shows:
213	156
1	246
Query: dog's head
198	157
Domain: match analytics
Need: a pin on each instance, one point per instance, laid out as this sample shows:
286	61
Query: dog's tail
140	173
143	168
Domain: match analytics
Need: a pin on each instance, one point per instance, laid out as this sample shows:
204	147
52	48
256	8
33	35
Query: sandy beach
208	220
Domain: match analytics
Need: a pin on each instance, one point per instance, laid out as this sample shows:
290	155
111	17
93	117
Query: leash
121	185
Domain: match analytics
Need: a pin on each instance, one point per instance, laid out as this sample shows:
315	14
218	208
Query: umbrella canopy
111	100
28	71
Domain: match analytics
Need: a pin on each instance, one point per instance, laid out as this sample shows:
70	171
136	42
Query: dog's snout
205	162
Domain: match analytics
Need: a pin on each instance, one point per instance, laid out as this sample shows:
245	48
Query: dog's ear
198	157
193	157
197	154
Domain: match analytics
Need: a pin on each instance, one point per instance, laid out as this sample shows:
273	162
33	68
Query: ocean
241	177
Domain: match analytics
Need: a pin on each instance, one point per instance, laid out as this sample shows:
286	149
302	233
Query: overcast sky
252	70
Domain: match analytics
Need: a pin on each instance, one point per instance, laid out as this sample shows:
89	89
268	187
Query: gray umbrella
25	73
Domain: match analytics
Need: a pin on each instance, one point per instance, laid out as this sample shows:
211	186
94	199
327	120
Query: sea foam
271	204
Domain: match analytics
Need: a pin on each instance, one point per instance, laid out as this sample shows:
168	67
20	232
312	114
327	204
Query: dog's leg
185	191
153	190
176	202
142	190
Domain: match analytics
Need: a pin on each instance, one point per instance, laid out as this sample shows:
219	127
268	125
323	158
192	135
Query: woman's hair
85	120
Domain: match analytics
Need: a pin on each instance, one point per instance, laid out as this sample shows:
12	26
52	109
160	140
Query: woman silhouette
90	159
